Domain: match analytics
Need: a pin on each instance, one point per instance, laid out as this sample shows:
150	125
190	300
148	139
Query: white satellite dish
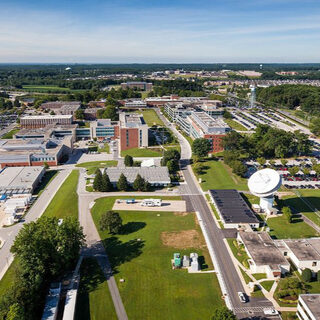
263	184
68	68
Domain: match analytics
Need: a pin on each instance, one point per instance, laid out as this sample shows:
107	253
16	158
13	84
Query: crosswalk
251	309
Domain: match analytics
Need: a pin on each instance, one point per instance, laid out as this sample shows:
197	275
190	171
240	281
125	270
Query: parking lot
167	205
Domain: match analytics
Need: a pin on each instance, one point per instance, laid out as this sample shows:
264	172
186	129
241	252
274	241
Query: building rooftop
59	104
19	177
152	175
207	123
313	303
305	249
47	116
232	207
131	120
262	249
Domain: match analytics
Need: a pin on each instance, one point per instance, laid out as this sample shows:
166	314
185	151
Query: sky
162	31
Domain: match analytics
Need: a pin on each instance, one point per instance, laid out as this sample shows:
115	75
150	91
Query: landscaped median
141	255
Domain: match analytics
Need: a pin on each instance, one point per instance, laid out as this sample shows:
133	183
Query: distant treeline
292	96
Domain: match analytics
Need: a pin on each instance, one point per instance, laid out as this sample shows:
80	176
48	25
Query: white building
309	307
265	257
304	253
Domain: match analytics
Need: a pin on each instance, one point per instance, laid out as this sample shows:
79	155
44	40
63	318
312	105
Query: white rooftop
48	116
264	182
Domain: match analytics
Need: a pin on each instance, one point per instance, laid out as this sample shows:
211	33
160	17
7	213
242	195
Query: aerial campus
145	177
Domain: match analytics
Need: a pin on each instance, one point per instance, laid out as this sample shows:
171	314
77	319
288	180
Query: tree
169	155
97	182
16	103
128	161
239	168
272	163
110	221
139	183
318	276
316	168
106	184
287	213
294	170
223	313
284	162
306	275
45	165
306	171
15	312
198	168
173	165
147	186
261	161
201	147
227	114
110	113
79	114
122	183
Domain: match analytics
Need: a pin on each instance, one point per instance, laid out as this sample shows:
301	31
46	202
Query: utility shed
232	209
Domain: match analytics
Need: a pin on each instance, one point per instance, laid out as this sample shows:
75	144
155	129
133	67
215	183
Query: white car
242	297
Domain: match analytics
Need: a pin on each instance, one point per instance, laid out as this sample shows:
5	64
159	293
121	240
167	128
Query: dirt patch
182	239
181	213
285	193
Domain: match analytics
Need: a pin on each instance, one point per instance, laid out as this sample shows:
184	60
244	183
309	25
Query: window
285	253
314	263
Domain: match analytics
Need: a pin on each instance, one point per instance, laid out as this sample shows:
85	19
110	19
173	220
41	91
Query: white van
151	203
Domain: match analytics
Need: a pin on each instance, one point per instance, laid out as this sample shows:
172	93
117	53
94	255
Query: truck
151	203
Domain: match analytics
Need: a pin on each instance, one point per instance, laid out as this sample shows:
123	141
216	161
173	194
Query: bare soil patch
182	239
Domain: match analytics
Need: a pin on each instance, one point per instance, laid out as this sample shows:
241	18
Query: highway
252	309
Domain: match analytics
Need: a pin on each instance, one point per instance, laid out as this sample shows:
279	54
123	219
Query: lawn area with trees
280	228
10	134
235	125
140	254
217	175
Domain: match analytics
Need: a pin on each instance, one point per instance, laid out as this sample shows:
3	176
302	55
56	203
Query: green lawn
10	134
45	88
152	290
47	178
106	148
238	251
235	125
246	278
94	300
8	279
65	202
217	175
151	118
289	316
142	152
280	228
259	276
94	165
267	284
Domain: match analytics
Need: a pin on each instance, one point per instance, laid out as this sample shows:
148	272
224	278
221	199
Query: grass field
280	228
106	148
8	279
94	165
235	125
217	175
94	300
151	118
238	251
142	152
65	202
267	284
10	134
47	178
152	290
260	276
44	88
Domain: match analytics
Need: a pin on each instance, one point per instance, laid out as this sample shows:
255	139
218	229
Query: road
7	129
8	234
231	280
